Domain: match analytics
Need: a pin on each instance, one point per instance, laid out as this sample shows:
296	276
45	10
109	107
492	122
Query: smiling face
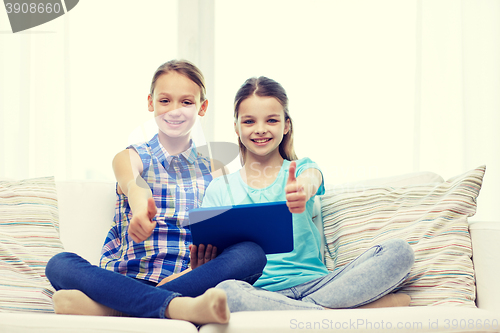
175	103
261	126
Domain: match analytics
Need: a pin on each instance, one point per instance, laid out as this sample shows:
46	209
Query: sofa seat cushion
50	323
432	218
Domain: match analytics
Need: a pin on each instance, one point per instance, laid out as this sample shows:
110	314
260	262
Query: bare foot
211	307
391	300
77	303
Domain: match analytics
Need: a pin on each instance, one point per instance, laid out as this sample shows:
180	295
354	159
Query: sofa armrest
486	257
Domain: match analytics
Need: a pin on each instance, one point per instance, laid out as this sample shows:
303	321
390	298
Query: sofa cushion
52	323
432	218
29	237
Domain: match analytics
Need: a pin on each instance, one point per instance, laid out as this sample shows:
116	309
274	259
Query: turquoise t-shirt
283	270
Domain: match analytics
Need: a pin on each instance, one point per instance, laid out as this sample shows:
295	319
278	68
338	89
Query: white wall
377	88
348	68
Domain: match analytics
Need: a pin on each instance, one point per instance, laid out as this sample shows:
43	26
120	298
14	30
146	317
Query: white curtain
377	88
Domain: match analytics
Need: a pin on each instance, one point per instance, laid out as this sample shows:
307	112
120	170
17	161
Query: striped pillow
432	218
29	237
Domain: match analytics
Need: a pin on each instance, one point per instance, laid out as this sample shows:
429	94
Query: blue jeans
244	261
375	273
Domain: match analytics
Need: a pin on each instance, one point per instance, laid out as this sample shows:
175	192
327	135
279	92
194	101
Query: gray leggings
375	273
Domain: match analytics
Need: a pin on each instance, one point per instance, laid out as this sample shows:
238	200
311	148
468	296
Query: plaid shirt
178	184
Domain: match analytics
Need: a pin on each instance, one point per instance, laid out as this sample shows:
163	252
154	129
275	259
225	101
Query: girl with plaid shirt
144	264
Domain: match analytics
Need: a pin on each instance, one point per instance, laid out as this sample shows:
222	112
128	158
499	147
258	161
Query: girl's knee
54	262
253	254
257	252
407	252
403	250
60	263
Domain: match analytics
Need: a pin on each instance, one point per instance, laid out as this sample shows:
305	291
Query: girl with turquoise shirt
271	172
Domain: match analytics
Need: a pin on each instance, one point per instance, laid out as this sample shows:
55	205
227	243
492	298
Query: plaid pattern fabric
178	184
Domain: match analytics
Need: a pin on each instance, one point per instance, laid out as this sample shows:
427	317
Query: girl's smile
174	123
261	142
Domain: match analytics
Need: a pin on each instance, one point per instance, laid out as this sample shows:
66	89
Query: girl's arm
127	166
300	189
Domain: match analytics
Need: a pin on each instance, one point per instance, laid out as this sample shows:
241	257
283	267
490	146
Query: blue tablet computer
267	224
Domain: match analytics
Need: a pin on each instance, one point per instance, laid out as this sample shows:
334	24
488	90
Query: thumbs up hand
142	224
296	196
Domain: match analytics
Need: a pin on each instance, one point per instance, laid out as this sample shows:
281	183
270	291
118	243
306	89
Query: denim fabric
244	261
375	273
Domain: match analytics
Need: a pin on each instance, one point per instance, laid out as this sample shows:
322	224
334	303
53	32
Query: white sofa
86	210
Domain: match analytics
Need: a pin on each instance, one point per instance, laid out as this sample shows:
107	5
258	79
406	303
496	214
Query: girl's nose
260	130
175	111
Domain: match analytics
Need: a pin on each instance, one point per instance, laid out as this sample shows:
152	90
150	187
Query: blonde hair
266	87
185	68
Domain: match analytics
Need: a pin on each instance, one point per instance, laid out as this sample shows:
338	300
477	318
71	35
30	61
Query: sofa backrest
86	210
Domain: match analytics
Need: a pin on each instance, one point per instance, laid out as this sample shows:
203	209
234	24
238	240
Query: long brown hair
266	87
185	68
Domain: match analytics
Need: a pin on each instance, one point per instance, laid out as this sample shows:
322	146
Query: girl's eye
188	102
272	121
247	121
163	100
